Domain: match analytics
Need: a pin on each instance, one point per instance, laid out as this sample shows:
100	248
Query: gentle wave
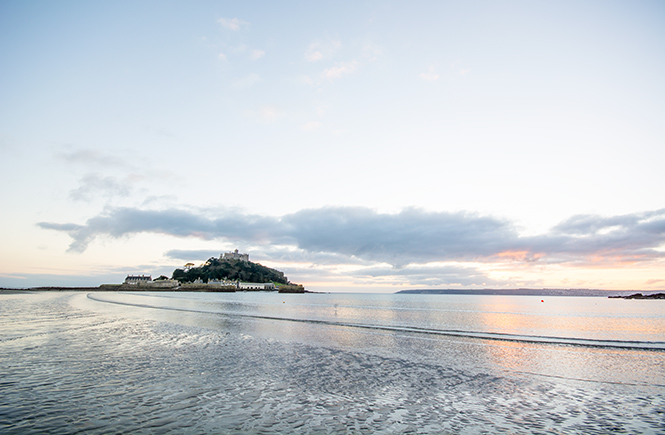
586	342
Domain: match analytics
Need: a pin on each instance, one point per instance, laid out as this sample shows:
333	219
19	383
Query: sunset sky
366	146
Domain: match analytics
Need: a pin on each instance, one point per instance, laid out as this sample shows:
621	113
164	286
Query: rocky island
641	296
232	271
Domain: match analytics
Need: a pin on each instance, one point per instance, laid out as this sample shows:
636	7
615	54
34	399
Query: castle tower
235	255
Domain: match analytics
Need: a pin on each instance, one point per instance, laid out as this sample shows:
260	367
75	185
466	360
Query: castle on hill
235	255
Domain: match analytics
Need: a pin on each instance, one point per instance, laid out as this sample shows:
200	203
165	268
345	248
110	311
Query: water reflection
131	368
558	317
327	320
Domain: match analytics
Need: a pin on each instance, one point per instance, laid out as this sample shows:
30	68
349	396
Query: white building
136	279
256	286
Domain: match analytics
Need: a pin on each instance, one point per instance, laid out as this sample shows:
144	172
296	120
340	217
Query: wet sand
67	370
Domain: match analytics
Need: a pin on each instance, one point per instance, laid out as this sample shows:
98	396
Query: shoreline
40	289
640	296
530	292
152	371
121	287
611	294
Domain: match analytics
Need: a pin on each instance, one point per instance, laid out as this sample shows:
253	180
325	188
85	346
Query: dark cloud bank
412	236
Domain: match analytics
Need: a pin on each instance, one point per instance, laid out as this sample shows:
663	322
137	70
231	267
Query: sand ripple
64	370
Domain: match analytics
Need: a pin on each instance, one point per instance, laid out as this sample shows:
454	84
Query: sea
337	363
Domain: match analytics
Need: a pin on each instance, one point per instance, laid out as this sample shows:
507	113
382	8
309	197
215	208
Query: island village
145	282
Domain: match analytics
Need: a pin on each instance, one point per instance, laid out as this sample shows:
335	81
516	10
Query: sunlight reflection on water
220	363
330	319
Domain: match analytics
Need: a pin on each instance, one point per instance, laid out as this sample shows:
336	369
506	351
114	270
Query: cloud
292	255
31	280
314	56
584	225
241	48
311	126
305	79
320	50
399	239
247	82
156	200
345	68
91	278
68	228
273	253
192	254
90	157
256	54
119	222
429	76
412	236
447	275
232	23
459	68
76	232
267	114
599	239
94	186
372	52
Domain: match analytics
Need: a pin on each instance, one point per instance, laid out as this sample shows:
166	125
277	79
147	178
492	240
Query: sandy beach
65	369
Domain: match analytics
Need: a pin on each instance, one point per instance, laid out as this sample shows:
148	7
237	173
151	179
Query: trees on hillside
234	270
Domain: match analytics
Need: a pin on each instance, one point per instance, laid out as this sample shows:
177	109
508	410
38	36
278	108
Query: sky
358	146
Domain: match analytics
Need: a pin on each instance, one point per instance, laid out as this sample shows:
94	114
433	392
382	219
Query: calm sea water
330	363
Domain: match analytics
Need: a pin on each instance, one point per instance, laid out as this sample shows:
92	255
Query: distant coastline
641	296
530	292
123	287
615	294
34	289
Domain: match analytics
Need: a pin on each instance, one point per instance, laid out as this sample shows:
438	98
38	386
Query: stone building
136	279
235	255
